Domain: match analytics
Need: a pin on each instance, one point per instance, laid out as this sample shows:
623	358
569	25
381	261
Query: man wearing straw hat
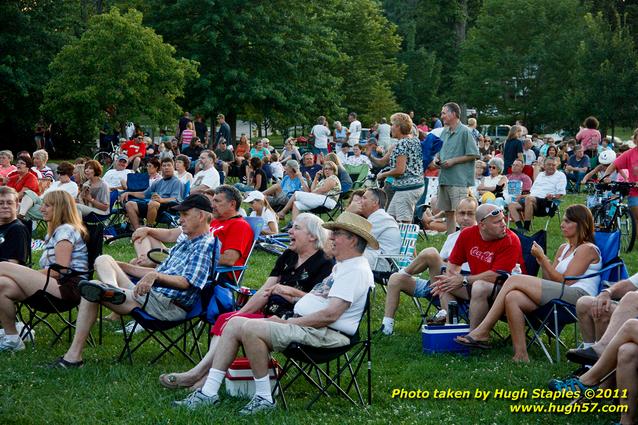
326	317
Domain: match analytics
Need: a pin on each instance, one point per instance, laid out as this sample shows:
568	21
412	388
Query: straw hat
356	224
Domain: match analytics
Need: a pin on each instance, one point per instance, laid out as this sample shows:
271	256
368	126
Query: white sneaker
129	328
28	336
256	405
196	399
11	343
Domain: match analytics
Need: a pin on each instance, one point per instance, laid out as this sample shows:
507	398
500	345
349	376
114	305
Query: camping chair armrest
502	277
64	272
594	274
230	269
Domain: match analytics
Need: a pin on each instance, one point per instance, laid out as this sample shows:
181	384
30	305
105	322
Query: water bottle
517	270
612	209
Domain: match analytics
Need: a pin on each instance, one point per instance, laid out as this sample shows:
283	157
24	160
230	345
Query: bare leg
282	213
199	372
585	320
229	343
142	247
450	220
398	283
515	211
517	304
151	212
255	336
628	333
295	212
626	379
529	285
530	203
479	305
9	292
132	213
627	309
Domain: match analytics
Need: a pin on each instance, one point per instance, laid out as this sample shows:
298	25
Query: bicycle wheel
627	226
105	159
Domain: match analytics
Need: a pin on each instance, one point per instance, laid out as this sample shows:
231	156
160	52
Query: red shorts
223	319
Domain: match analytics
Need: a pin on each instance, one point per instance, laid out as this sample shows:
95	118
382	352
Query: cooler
440	339
239	379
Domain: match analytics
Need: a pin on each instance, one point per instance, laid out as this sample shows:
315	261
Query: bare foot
176	380
521	358
199	384
113	317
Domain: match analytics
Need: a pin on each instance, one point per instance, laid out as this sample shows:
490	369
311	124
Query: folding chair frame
307	360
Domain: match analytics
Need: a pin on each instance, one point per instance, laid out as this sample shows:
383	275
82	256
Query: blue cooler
440	339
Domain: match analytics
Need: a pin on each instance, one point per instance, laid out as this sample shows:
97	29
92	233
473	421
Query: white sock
388	325
213	382
262	388
588	344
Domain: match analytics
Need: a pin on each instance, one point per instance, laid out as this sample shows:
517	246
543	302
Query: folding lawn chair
555	315
306	361
231	276
158	330
332	213
41	304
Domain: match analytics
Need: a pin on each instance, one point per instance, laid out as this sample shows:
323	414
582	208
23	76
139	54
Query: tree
271	57
117	71
31	34
521	69
606	75
370	44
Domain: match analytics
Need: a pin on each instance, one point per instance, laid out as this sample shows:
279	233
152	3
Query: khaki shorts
403	204
450	196
551	291
282	334
160	306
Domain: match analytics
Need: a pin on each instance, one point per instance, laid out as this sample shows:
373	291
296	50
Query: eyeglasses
494	213
492	167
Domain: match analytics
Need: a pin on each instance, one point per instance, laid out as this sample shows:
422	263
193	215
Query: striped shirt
192	259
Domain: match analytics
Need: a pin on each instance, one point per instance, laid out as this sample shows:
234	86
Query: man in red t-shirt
135	150
487	248
228	225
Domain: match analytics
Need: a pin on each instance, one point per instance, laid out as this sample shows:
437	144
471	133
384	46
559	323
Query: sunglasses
493	213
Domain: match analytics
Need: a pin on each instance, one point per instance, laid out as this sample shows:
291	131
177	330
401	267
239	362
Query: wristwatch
465	281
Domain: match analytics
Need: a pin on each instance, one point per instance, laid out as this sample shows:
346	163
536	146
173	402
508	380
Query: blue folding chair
554	316
157	329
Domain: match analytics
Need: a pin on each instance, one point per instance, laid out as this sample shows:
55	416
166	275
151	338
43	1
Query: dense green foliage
94	82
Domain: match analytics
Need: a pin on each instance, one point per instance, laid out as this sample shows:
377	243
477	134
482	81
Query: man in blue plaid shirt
167	293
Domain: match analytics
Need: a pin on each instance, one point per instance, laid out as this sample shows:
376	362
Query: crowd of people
316	291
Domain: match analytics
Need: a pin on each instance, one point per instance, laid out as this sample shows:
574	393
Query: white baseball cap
255	195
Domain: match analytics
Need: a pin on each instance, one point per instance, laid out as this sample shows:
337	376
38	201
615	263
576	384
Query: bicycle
107	159
274	244
611	213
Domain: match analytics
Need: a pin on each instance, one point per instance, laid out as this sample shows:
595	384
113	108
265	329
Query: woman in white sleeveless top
523	294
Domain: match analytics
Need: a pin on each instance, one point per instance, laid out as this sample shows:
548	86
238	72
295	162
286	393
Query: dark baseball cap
200	202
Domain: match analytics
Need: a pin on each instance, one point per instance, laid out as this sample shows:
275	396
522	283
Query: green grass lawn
105	391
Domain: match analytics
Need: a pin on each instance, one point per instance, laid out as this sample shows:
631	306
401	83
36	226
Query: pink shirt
6	171
589	138
629	160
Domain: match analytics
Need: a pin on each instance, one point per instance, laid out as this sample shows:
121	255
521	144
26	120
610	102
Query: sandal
468	341
169	380
96	291
60	363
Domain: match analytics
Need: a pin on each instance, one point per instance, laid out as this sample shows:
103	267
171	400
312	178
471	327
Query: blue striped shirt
192	259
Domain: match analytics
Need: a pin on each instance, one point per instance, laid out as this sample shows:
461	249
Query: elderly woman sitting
493	186
324	191
523	294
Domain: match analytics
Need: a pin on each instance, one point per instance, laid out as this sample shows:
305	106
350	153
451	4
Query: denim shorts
422	289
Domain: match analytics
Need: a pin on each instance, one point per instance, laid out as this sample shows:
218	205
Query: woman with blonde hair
64	245
261	208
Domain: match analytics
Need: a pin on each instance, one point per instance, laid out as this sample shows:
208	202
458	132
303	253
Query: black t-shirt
200	130
306	276
15	241
264	179
510	152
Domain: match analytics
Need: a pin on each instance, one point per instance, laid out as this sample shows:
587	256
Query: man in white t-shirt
354	132
321	134
208	177
404	281
548	186
326	317
115	178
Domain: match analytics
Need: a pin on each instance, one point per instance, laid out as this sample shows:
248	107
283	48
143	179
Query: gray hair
41	154
498	163
314	225
8	154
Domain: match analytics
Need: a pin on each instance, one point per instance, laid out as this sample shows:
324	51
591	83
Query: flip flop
468	341
169	380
